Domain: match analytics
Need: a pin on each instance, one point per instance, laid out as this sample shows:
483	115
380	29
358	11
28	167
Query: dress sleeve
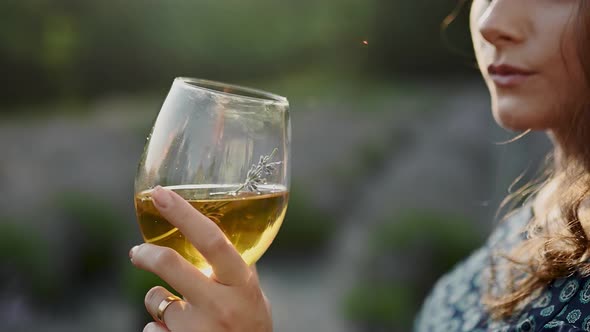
560	326
574	297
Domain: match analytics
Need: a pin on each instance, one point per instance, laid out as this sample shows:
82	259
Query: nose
504	22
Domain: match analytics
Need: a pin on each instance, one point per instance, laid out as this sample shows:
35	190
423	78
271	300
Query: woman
531	273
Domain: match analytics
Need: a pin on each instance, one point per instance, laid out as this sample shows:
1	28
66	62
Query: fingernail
161	197
131	252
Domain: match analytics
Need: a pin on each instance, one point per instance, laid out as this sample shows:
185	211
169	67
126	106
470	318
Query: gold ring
164	305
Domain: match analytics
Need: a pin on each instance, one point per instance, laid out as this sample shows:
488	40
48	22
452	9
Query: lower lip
509	81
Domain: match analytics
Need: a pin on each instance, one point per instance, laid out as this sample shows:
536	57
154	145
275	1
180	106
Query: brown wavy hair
557	244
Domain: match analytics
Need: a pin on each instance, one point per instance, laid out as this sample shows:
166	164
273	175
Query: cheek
550	99
575	85
565	85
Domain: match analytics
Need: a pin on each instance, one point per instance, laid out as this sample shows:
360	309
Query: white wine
249	220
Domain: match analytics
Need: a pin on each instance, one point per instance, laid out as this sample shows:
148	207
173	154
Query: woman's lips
506	76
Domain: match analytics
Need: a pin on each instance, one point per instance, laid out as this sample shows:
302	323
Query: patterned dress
455	301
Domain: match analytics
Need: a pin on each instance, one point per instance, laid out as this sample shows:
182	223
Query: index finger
228	266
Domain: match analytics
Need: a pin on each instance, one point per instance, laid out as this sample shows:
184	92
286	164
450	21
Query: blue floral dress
455	302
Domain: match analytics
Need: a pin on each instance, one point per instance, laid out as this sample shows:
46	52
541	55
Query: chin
519	116
510	121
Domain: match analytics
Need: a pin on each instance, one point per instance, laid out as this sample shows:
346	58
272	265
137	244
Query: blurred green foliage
27	256
306	229
79	243
79	49
375	306
413	39
96	233
423	245
455	235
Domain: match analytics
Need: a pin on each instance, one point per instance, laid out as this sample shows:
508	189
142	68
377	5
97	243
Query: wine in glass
226	150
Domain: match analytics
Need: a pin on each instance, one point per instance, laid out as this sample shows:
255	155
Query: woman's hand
229	300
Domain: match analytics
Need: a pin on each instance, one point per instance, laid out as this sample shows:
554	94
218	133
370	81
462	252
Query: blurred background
397	173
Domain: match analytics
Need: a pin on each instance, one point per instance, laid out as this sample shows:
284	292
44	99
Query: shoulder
455	299
563	306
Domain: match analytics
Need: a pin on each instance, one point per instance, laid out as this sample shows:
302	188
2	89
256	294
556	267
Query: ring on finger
164	305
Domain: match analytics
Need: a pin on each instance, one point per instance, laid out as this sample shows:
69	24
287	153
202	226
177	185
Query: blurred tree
409	38
73	50
390	292
26	261
306	230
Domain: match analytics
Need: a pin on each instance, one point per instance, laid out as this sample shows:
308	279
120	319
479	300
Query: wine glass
226	150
